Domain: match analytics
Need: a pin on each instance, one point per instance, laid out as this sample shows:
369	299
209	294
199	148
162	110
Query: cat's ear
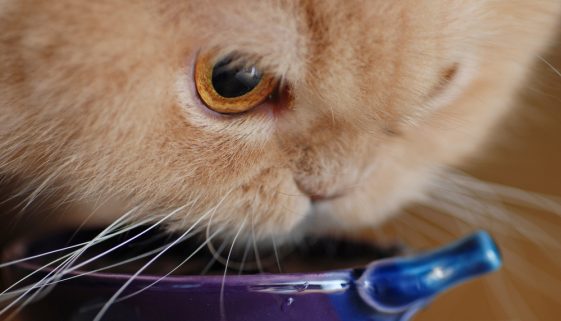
451	84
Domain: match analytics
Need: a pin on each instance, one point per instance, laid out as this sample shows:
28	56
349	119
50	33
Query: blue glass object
398	284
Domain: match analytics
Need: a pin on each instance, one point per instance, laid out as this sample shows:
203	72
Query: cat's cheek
256	126
378	199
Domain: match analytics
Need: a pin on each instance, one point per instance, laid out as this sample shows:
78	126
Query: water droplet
302	287
287	304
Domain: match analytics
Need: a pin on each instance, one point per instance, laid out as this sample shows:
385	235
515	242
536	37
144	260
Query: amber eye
230	88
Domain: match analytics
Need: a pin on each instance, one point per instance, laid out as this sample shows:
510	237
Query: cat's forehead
296	37
369	55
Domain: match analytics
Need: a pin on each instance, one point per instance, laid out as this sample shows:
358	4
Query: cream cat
369	100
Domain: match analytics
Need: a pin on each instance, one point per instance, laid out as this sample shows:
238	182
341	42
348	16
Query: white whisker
474	210
54	273
222	304
108	267
215	256
491	205
36	256
276	253
244	256
102	239
255	248
514	195
197	250
551	66
104	309
424	228
8	295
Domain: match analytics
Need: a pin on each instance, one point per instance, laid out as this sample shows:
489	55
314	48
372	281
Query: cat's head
98	101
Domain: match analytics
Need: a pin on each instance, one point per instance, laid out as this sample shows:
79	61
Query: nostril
322	198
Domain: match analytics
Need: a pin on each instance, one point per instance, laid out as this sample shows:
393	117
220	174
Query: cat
102	118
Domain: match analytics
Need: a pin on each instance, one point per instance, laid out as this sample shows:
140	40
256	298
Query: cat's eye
228	87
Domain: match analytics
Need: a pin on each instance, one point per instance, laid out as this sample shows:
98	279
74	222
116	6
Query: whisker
477	202
215	255
255	248
36	256
145	266
514	195
222	304
129	240
276	253
33	196
521	226
244	256
108	236
64	268
476	209
420	226
118	222
197	250
65	271
108	267
551	66
40	285
7	294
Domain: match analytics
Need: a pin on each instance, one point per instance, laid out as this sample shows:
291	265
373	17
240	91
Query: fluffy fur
97	104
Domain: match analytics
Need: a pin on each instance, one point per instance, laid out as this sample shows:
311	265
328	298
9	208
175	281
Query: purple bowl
386	290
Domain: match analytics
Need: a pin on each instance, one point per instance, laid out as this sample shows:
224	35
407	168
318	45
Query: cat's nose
322	198
318	196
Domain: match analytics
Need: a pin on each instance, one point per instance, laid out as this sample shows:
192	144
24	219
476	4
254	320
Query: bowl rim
18	249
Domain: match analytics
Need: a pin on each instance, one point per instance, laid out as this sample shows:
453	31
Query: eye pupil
228	87
231	81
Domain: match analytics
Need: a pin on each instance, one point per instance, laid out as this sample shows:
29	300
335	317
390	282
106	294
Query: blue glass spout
399	284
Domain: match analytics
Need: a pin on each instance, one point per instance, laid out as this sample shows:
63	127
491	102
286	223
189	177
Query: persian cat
259	118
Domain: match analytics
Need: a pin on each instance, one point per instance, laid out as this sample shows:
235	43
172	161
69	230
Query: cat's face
98	102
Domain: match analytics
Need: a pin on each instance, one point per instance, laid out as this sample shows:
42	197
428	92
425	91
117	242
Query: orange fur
97	102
